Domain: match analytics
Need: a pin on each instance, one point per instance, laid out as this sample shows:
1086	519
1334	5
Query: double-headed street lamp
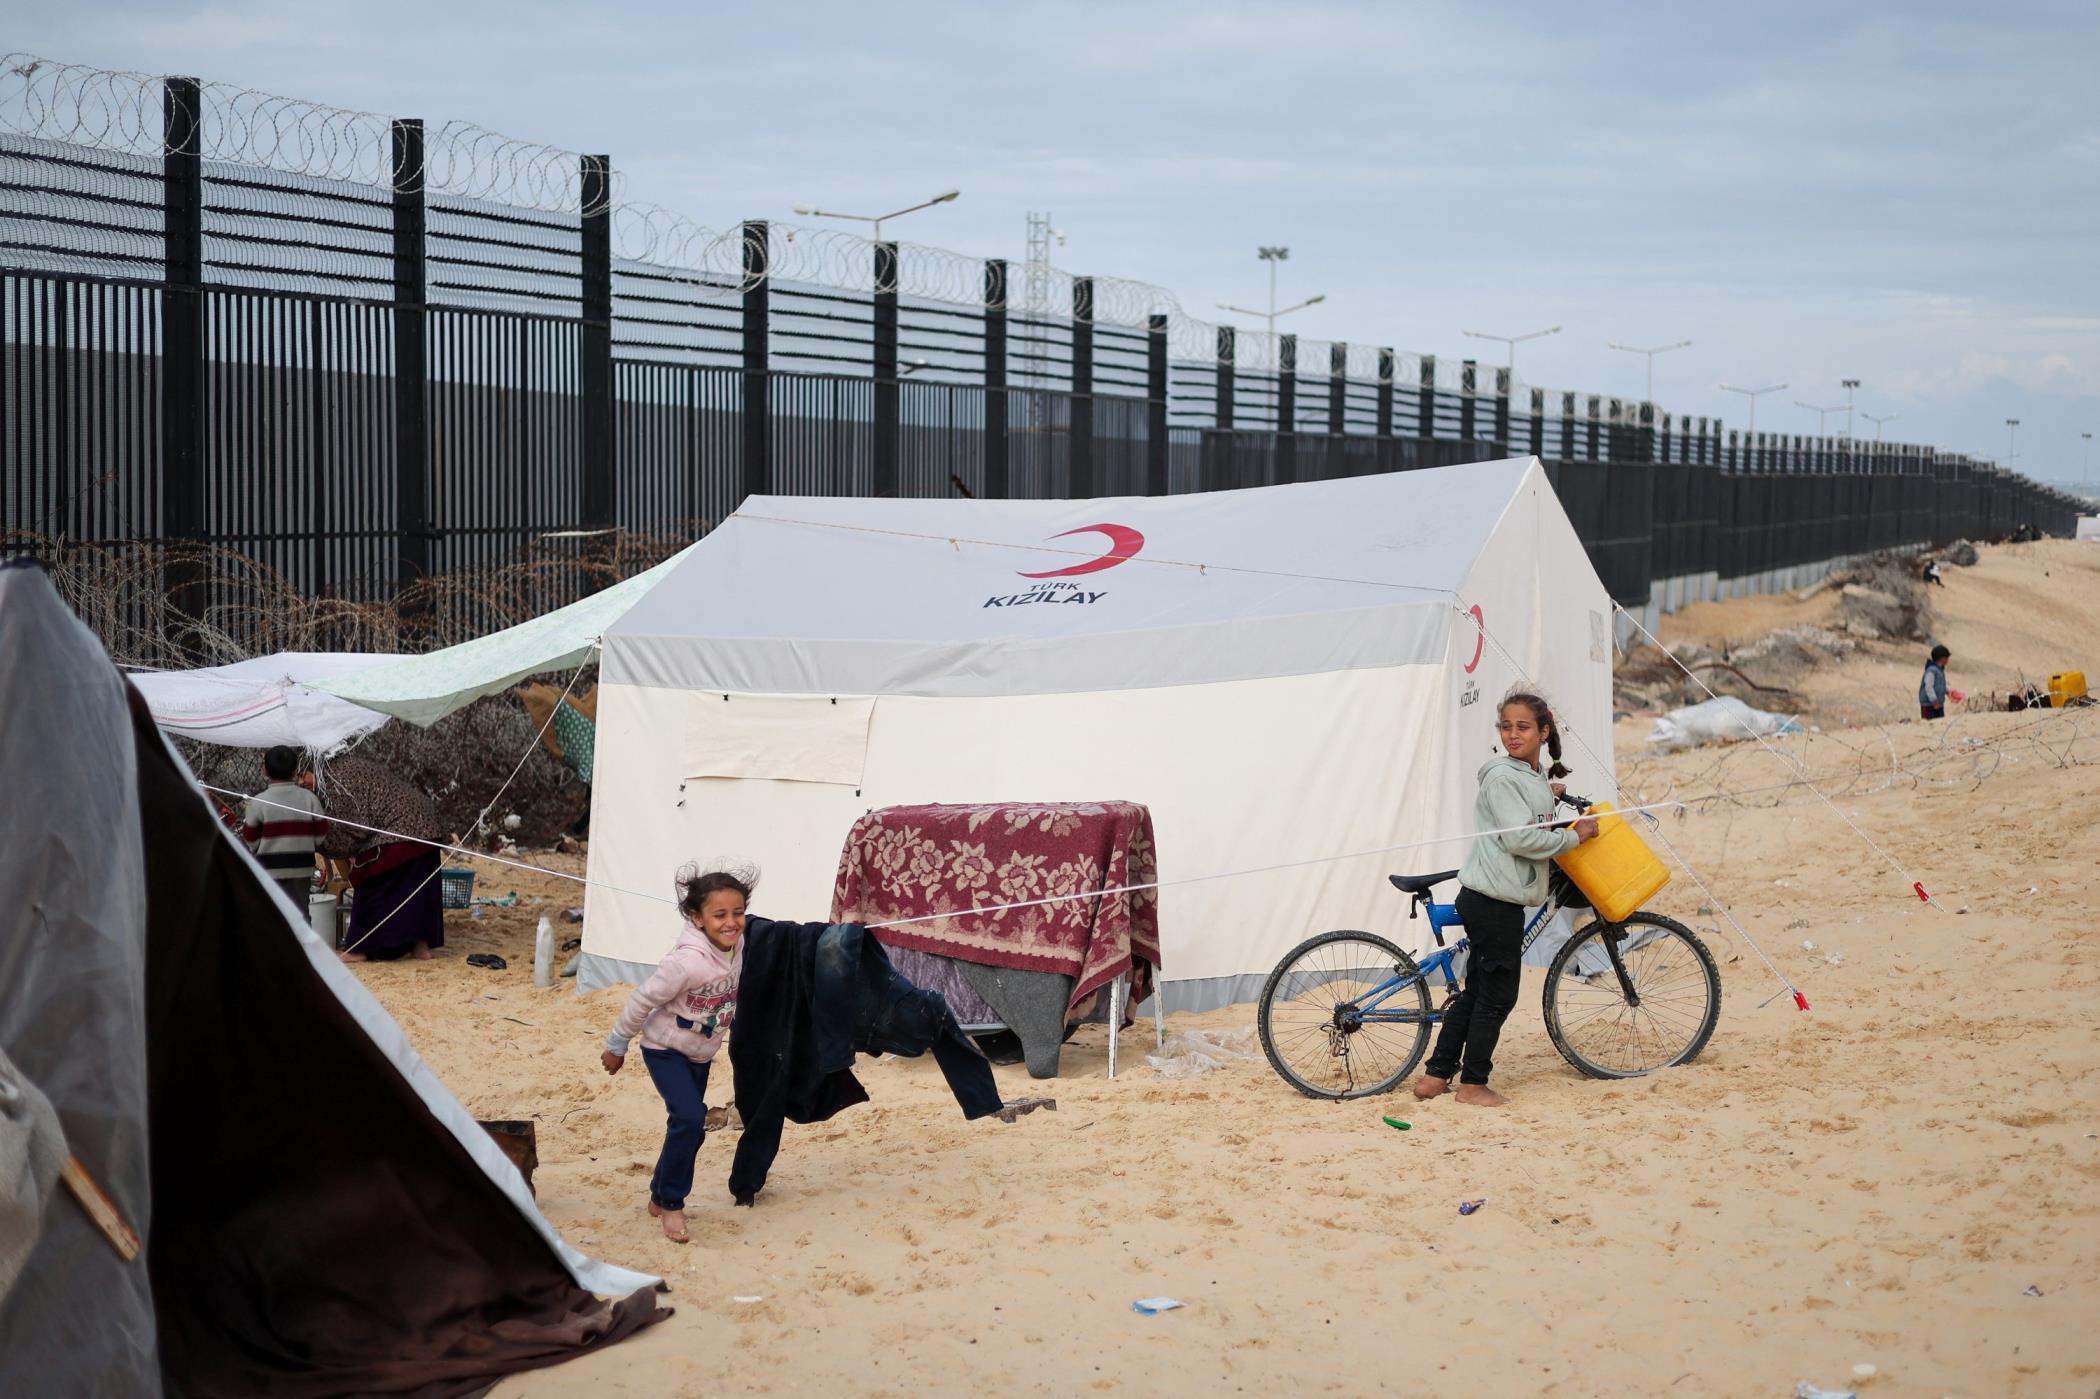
1753	395
1512	341
1877	419
1651	354
1273	255
810	212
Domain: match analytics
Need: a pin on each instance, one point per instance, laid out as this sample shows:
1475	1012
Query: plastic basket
456	888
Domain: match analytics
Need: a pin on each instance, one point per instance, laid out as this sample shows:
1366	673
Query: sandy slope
1876	1181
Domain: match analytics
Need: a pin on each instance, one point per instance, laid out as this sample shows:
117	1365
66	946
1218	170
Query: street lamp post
1821	413
1272	256
2012	441
811	212
1651	354
1753	395
1848	385
1877	419
1512	341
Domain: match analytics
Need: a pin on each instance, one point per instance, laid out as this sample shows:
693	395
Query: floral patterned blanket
913	861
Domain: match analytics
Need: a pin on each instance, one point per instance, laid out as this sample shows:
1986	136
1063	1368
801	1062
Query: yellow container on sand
2065	687
1617	871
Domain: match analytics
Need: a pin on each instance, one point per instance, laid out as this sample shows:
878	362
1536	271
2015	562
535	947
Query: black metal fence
358	384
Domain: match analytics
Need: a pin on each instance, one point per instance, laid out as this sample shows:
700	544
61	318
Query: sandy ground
2023	612
1878	1181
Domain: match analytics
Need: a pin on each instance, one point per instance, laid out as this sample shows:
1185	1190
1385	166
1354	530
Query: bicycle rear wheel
1667	1019
1313	1016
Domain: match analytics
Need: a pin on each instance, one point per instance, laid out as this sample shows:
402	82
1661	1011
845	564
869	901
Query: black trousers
1465	1047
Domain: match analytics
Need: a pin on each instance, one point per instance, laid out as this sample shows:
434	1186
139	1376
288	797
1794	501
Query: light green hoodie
1512	866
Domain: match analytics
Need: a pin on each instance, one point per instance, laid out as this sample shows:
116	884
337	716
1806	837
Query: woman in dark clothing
395	906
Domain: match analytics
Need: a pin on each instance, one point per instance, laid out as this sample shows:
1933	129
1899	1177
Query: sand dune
1879	1181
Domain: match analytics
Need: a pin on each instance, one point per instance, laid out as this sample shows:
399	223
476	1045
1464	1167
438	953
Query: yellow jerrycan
1617	871
2066	687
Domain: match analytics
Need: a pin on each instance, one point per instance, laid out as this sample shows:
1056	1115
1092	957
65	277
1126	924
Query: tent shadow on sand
320	1216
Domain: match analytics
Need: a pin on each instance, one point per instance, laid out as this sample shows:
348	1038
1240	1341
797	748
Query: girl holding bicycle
1502	875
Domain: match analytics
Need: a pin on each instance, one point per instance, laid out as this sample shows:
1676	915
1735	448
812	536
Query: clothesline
1672	805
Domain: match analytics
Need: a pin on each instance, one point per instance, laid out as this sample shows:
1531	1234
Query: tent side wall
1545	622
1238	775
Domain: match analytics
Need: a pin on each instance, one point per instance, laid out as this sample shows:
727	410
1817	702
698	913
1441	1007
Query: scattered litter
1468	1206
1805	1390
1200	1051
1153	1306
572	915
745	1297
1397	1124
2032	1291
1864	1371
1808	947
1836	959
1784	883
507	901
2033	890
487	959
513	821
1797	923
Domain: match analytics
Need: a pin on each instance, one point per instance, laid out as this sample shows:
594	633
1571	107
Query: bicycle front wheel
1626	999
1344	1015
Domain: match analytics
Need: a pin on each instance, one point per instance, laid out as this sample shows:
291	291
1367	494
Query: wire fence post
1286	408
1385	401
1337	407
1425	402
411	359
182	348
1228	372
998	470
1085	480
1502	389
1156	405
756	416
884	477
595	341
1538	423
1468	385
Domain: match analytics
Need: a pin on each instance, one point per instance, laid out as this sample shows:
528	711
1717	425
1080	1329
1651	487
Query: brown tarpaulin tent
312	1226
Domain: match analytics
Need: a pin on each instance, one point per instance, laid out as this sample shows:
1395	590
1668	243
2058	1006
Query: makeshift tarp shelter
263	701
424	689
320	1216
1281	674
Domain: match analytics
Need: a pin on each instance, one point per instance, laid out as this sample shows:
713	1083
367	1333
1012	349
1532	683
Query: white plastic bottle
543	955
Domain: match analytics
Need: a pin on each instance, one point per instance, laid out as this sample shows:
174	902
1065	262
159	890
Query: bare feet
1430	1086
1480	1096
673	1222
1013	1111
353	956
420	950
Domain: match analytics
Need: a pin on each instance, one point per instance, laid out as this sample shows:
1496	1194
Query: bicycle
1347	1014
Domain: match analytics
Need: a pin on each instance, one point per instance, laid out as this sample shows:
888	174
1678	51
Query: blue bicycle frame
1370	1009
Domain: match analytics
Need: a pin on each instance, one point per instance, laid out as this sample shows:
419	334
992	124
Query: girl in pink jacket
683	1013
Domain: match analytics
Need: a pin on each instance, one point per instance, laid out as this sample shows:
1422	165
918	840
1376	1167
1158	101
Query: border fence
360	351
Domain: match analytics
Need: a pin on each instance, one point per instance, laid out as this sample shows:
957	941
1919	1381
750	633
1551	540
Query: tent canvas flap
785	738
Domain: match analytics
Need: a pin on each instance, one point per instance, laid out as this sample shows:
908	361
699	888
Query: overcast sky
1905	194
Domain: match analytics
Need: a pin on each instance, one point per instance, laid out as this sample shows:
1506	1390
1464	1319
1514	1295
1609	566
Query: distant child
1502	876
683	1013
283	823
1932	689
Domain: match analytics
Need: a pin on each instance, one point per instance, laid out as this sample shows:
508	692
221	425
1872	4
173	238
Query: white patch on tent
780	738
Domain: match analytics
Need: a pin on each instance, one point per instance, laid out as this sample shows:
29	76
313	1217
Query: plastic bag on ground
1197	1052
1717	719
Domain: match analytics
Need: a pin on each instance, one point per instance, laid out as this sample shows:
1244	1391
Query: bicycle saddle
1420	883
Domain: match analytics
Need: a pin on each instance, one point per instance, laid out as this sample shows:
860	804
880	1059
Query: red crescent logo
1123	543
1480	641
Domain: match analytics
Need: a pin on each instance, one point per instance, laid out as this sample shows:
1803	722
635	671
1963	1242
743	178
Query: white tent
1282	674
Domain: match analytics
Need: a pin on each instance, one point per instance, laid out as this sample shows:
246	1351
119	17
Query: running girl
683	1013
